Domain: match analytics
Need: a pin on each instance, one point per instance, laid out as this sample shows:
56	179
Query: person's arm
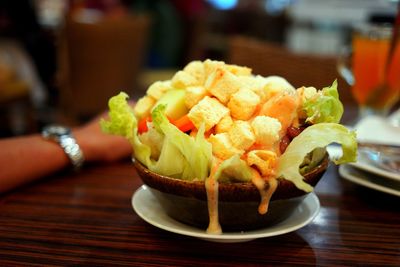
24	159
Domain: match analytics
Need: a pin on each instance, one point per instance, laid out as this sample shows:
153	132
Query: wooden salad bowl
186	201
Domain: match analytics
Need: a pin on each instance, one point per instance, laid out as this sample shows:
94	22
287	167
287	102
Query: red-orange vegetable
142	126
184	124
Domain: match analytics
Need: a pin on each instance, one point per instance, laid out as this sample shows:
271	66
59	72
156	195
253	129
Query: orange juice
377	86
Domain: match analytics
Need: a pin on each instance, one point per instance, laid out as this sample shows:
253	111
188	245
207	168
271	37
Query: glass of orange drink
372	73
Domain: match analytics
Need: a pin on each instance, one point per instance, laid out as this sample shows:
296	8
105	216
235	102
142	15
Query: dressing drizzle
212	202
266	192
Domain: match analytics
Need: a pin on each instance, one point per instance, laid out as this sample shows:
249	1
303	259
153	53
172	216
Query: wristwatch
63	136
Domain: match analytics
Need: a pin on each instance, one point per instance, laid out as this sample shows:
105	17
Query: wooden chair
97	61
271	59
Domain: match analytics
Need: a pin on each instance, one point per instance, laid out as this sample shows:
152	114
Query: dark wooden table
86	218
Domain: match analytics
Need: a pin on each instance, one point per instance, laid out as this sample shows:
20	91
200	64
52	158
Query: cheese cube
243	103
208	111
222	146
266	129
222	84
241	135
194	94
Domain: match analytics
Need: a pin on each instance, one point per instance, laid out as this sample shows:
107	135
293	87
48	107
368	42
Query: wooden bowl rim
227	191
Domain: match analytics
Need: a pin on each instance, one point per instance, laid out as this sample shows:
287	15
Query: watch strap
63	136
73	151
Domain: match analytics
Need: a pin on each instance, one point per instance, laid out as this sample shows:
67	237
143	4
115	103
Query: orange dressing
212	202
266	192
282	107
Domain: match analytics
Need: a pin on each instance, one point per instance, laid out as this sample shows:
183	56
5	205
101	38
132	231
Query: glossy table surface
86	218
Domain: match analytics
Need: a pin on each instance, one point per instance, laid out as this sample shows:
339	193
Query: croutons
266	130
208	111
182	79
196	70
277	84
224	124
256	84
210	66
241	135
306	92
157	89
264	160
143	106
243	103
222	84
239	70
194	94
222	146
282	106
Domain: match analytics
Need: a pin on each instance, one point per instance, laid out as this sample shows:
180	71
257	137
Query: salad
219	123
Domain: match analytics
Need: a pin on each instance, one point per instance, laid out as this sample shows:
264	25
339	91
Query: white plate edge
376	170
255	234
345	173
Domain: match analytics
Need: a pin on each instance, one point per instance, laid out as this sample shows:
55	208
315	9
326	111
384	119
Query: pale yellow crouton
222	146
208	111
277	84
224	124
243	103
182	80
238	70
211	65
306	93
241	135
143	106
157	89
264	160
256	84
222	84
266	130
193	95
196	70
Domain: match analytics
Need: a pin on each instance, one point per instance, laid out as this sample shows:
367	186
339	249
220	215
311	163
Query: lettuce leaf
182	156
318	135
325	106
122	121
234	169
189	157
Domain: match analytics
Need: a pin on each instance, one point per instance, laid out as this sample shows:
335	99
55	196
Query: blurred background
61	60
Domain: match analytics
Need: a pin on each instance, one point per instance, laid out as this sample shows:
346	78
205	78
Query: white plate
365	164
148	208
370	180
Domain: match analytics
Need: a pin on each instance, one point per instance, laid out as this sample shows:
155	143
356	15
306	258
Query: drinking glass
373	76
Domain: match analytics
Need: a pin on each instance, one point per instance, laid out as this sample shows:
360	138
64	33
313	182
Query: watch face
57	130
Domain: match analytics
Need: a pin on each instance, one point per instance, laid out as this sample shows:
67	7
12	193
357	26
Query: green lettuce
182	156
122	121
234	169
189	157
315	136
325	106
